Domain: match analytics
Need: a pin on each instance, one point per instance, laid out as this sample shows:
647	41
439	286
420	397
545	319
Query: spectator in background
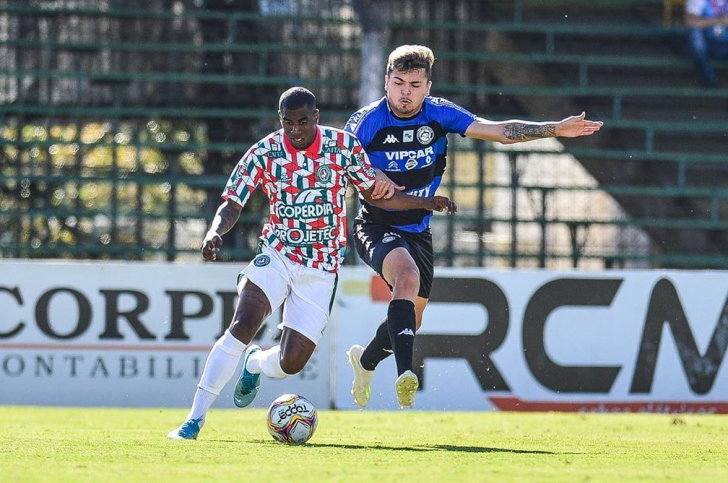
707	23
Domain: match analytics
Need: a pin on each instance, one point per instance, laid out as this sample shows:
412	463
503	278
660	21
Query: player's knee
408	279
293	364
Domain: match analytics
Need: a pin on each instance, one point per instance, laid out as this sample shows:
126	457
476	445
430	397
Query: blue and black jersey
412	152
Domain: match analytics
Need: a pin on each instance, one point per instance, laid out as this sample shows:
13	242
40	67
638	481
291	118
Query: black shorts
373	242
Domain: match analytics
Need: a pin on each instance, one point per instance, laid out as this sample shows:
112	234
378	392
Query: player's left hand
211	245
384	187
441	203
575	126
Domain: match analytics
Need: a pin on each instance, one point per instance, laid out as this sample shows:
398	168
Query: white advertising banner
138	334
125	334
540	340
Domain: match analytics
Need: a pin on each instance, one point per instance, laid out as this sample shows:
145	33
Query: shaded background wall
122	120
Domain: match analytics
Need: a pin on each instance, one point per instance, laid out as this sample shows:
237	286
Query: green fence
120	126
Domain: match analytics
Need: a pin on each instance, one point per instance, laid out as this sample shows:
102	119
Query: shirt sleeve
246	176
359	168
356	126
453	118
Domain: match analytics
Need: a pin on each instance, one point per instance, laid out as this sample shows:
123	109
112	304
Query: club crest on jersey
323	174
331	147
261	260
425	134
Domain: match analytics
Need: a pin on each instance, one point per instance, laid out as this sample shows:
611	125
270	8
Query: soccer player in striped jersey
304	169
405	135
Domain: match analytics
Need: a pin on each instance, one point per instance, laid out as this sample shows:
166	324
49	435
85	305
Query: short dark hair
296	98
407	58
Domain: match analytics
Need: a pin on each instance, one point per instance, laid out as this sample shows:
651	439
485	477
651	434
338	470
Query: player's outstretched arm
400	201
225	218
384	188
440	203
517	131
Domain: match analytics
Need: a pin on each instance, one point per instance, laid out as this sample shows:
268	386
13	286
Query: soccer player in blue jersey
405	135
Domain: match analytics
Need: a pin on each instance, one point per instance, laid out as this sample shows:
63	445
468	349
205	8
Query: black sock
401	322
378	349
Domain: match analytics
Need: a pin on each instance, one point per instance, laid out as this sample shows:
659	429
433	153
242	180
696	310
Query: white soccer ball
292	419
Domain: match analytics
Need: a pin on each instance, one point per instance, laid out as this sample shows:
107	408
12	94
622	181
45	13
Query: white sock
267	362
219	369
200	405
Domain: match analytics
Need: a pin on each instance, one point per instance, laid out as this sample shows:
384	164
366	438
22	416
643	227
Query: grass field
108	445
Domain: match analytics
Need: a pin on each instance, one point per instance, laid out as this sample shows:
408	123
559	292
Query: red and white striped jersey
306	190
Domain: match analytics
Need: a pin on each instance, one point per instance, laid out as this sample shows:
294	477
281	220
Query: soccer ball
292	419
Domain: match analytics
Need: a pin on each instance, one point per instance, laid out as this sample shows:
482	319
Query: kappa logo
390	139
407	331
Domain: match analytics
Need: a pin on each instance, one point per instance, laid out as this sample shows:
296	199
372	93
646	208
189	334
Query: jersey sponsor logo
332	147
411	163
261	260
390	139
276	151
389	237
295	236
425	135
237	176
412	153
392	166
309	205
422	192
408	136
323	174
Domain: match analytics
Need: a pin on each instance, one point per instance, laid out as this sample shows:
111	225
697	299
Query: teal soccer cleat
188	430
247	387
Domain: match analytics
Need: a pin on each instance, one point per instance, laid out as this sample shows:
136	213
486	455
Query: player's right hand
211	245
441	203
384	187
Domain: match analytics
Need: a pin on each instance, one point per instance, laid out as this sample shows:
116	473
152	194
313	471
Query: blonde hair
407	58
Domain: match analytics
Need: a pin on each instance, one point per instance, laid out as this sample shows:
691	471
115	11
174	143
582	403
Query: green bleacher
120	126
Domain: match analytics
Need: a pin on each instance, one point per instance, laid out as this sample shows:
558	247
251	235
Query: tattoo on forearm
524	132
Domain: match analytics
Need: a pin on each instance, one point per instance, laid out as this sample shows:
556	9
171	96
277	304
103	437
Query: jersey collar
311	151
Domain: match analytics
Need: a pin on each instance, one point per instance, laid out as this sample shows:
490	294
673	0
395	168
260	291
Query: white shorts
307	292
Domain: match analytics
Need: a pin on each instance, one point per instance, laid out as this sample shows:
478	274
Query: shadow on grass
423	448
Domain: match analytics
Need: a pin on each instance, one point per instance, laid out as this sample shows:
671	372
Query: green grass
108	445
